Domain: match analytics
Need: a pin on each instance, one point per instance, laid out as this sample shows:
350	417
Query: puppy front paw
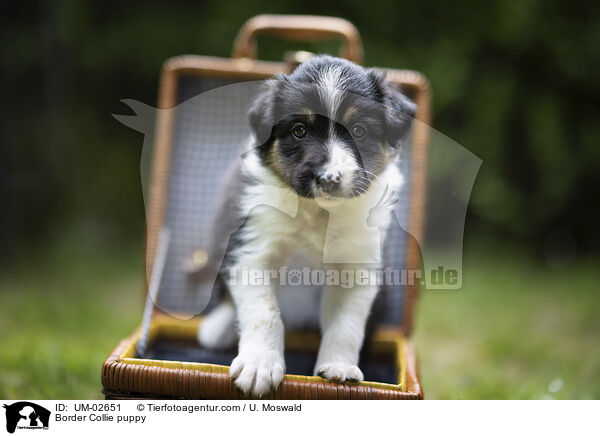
258	372
339	372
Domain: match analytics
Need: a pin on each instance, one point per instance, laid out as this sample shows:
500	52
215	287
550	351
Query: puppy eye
358	130
299	131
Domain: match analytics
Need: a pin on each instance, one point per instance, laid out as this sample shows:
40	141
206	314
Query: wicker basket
171	369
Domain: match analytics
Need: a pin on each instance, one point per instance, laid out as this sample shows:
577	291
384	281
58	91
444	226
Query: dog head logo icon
26	415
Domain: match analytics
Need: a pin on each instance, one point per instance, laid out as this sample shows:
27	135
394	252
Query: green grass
60	319
512	330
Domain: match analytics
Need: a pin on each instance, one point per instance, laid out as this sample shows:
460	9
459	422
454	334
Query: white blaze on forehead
330	89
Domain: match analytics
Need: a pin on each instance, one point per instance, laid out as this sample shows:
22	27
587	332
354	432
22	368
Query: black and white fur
327	138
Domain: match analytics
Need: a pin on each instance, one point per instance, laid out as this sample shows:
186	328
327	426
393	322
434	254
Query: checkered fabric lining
211	131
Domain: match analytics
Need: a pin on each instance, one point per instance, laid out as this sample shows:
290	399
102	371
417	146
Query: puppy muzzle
329	181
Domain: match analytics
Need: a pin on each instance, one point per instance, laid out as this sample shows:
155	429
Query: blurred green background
514	82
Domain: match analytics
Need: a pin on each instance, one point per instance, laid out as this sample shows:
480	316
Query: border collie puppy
325	152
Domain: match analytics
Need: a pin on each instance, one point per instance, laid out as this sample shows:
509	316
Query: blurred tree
514	82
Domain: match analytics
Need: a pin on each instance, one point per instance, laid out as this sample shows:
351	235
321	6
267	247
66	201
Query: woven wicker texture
127	377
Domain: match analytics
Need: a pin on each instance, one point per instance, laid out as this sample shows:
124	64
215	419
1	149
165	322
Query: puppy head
330	128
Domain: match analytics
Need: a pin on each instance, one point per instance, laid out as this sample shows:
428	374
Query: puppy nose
329	181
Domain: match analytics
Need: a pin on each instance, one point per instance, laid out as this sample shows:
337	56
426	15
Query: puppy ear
261	113
399	112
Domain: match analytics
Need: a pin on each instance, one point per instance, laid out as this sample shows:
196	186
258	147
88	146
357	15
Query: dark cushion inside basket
377	368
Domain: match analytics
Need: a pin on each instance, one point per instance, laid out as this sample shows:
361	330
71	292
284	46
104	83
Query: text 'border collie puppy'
327	142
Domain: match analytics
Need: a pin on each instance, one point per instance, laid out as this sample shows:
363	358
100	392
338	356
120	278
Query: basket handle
299	28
